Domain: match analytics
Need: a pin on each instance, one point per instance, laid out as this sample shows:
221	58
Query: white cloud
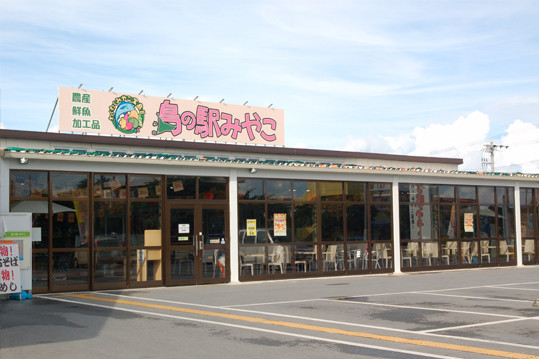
521	155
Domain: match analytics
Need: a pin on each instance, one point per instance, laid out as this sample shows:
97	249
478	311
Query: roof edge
174	144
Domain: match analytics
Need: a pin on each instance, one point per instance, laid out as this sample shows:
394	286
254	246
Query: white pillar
233	224
396	225
4	185
518	229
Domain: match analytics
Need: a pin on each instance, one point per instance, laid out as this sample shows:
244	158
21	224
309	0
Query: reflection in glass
252	260
144	216
380	192
381	222
212	188
110	186
447	194
306	258
381	256
448	222
305	191
467	194
278	259
109	224
332	222
66	271
355	191
305	222
70	224
40	269
333	257
29	184
356	222
181	187
280	222
69	185
280	190
486	195
182	265
250	189
429	253
330	191
110	266
357	257
144	186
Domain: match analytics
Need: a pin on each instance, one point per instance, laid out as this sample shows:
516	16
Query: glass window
487	221
381	222
526	196
69	185
280	222
468	221
305	222
255	215
506	217
41	220
467	194
355	191
109	223
356	222
486	195
29	184
144	186
305	191
404	192
419	221
181	187
332	222
279	190
212	188
330	191
448	222
110	186
446	194
70	224
526	221
380	192
251	189
144	216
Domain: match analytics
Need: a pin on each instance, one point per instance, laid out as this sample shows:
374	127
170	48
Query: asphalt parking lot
485	313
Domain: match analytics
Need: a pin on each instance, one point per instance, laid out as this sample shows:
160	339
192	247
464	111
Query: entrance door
198	244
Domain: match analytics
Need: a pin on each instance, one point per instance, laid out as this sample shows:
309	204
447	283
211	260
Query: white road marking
476	325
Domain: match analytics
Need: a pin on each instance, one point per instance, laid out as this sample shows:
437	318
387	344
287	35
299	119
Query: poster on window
10	275
468	222
279	224
251	227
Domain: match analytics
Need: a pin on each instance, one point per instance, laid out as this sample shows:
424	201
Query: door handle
202	242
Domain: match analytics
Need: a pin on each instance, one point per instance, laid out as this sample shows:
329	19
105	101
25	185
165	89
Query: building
125	212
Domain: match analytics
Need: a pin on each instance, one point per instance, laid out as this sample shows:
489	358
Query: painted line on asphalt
427	309
475	325
238	326
480	298
423	343
274	314
512	288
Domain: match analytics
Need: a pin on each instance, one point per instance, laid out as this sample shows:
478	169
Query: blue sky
438	78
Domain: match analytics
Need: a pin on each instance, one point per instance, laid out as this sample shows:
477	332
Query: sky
409	77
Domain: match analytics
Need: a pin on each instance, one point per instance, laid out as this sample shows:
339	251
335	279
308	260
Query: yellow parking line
425	343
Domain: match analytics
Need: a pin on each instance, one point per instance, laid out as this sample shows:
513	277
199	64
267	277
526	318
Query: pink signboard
146	116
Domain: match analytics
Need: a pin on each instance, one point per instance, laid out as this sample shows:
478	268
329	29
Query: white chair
448	251
409	253
246	265
529	249
428	249
277	259
504	250
485	250
330	257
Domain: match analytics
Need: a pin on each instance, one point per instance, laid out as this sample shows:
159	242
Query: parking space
452	314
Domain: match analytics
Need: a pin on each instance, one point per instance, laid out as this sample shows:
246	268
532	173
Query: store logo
127	114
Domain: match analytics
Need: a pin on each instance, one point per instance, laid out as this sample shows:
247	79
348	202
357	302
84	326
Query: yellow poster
468	222
251	227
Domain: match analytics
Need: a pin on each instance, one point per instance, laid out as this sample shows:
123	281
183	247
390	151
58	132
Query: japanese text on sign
10	278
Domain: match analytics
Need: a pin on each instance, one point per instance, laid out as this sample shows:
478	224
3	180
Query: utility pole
489	160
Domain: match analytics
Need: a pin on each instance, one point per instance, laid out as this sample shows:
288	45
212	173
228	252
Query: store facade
119	212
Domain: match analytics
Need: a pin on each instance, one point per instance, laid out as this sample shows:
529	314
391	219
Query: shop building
134	211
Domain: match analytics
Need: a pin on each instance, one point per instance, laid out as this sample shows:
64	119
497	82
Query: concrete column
4	185
233	223
396	225
518	229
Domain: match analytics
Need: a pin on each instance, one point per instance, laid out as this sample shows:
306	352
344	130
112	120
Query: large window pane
212	187
305	222
380	192
487	221
381	222
109	224
355	191
110	186
70	224
279	190
330	191
467	194
254	214
144	186
181	187
251	189
486	195
448	222
419	221
446	194
69	185
356	222
305	191
332	222
280	222
29	184
144	216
